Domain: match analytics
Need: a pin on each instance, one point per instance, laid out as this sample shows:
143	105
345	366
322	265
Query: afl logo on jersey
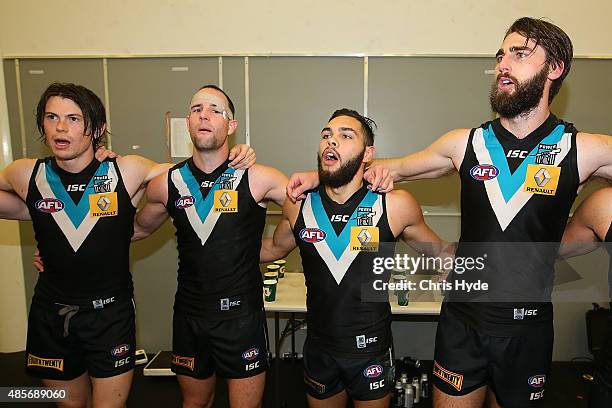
312	235
483	172
49	205
373	371
537	381
250	354
184	202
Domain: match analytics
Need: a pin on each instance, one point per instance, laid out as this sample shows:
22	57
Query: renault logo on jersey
49	205
364	239
542	179
484	172
312	235
184	202
226	201
103	205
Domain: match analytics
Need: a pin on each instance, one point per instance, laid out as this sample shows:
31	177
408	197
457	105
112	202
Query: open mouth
504	82
330	157
61	143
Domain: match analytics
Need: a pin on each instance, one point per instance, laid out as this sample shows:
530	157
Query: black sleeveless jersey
516	195
83	223
219	226
338	244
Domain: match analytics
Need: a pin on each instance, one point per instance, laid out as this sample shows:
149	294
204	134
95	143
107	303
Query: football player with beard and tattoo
519	177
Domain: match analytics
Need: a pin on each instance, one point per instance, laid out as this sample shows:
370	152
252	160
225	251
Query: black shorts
365	378
100	342
516	368
235	348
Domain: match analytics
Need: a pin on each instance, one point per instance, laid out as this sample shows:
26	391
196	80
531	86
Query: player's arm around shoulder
283	240
441	157
594	153
137	172
268	184
154	212
407	222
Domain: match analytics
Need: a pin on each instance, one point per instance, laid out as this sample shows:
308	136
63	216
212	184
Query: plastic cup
270	290
282	267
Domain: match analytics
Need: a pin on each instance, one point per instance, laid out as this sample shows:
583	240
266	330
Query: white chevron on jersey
75	234
337	267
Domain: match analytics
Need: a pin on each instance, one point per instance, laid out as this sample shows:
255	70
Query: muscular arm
406	220
154	213
267	184
12	207
594	155
283	240
439	158
137	172
589	225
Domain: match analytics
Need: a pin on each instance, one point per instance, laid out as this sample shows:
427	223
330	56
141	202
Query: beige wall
13	319
66	27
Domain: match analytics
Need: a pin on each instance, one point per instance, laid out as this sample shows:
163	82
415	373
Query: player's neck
77	164
341	194
209	160
523	125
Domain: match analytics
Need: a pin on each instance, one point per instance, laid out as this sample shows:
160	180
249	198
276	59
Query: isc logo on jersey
312	235
484	172
49	205
373	371
184	202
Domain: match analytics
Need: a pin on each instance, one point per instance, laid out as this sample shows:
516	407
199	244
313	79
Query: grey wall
413	99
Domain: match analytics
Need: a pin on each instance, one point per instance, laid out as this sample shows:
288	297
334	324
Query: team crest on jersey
542	179
49	205
312	235
547	154
184	202
482	172
102	184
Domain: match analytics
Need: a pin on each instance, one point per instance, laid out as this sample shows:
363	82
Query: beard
207	144
526	97
343	175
